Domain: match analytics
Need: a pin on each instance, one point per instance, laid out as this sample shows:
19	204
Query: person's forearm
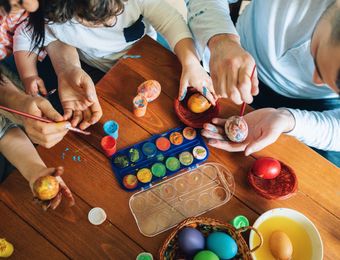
185	51
323	128
26	63
63	56
207	18
19	150
11	96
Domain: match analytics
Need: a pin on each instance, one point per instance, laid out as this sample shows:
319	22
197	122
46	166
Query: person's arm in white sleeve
166	20
207	18
169	22
317	129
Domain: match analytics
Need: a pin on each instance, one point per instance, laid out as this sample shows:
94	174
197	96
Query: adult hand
45	134
63	190
231	68
264	127
77	94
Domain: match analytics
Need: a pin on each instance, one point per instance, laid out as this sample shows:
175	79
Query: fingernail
90	97
248	152
205	91
212	128
68	125
183	96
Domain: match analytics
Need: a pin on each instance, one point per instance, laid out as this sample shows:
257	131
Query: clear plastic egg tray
188	194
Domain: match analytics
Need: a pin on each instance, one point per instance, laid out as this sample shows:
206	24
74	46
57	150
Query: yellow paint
302	245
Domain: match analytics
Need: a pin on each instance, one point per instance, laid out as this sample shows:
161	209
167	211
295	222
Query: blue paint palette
146	163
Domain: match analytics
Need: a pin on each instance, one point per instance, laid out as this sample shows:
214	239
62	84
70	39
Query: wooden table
66	232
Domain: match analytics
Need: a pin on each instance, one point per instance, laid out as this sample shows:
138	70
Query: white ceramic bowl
308	225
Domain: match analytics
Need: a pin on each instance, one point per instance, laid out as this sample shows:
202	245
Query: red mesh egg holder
192	119
282	187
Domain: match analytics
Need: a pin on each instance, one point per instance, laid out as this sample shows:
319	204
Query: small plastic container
190	193
111	128
109	145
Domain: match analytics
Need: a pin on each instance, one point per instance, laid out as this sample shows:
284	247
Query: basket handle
244	229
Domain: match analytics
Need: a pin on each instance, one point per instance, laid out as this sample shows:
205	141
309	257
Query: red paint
108	144
163	144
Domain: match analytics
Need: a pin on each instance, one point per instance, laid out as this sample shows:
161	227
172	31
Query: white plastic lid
97	216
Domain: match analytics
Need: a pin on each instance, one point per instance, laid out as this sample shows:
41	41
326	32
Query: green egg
206	255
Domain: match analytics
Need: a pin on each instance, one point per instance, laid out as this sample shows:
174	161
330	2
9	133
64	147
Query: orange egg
46	187
198	103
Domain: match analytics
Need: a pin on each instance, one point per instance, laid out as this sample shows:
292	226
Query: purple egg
190	241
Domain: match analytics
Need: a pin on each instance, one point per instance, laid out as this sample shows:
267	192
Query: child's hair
5	5
94	11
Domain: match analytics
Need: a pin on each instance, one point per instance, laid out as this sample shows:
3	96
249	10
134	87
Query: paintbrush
244	103
41	119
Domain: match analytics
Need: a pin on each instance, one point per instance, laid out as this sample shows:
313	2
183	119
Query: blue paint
126	56
111	128
205	91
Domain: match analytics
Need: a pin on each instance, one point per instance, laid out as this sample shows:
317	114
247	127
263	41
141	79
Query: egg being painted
236	129
280	245
198	103
46	187
190	241
223	245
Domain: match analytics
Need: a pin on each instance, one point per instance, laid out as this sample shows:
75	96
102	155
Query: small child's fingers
183	89
41	87
56	201
212	135
213	128
58	172
77	117
68	195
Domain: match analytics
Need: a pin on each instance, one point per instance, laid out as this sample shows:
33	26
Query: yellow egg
6	248
198	103
280	245
46	187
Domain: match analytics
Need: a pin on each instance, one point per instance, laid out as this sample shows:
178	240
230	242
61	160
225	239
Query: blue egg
190	241
223	245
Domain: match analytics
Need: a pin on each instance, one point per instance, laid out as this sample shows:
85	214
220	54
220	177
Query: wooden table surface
66	232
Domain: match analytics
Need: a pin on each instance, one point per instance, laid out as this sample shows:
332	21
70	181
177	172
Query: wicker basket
170	250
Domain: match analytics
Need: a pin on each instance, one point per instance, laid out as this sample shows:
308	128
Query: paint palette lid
189	118
190	193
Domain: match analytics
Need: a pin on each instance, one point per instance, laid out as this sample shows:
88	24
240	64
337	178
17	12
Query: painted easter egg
236	129
46	187
6	248
206	255
223	245
190	241
151	89
267	168
198	103
280	245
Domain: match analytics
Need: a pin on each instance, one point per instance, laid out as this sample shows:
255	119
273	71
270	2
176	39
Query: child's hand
34	85
63	189
194	75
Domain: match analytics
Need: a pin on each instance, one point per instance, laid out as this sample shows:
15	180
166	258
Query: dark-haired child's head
88	12
7	6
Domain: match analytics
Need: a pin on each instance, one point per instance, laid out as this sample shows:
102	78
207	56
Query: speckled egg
151	89
190	241
198	103
223	245
236	129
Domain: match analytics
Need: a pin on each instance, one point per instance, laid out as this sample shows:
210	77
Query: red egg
267	168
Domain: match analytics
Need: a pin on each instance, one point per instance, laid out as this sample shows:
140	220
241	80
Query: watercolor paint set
142	165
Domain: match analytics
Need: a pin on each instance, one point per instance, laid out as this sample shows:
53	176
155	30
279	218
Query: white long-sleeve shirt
100	47
278	35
